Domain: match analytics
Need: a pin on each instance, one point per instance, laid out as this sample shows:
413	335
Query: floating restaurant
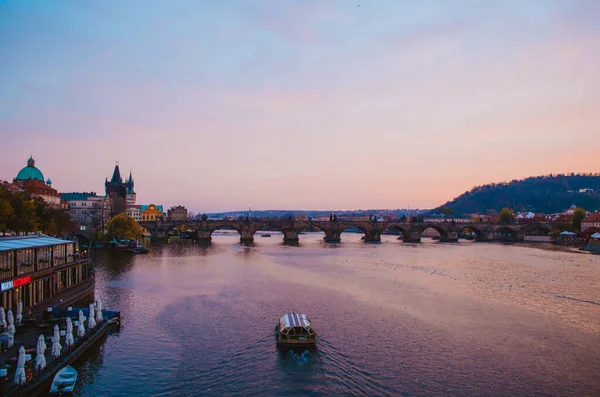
42	271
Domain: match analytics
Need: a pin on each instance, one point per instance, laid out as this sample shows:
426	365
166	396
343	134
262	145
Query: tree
446	210
122	227
507	216
7	212
61	220
578	216
24	219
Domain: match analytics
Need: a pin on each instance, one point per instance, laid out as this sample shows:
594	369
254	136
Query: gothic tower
116	189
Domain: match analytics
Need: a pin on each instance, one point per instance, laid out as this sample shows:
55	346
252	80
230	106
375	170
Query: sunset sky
299	104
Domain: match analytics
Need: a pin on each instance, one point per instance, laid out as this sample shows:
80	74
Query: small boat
295	330
140	249
64	381
265	235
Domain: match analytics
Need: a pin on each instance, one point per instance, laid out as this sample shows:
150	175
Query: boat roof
294	320
32	241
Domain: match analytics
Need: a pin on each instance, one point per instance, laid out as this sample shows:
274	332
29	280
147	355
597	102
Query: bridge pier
373	236
485	236
450	237
413	236
290	236
247	236
332	236
203	236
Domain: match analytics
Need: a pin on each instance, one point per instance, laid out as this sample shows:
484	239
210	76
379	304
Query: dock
39	382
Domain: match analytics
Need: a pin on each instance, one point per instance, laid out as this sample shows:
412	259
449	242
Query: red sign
17	282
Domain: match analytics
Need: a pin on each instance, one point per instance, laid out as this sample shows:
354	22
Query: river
393	319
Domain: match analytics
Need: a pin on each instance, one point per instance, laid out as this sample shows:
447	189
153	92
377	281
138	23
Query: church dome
49	182
30	172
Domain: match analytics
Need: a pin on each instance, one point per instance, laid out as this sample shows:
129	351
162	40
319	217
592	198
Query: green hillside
547	194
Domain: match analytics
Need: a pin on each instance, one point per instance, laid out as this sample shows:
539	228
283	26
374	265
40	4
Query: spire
116	178
130	183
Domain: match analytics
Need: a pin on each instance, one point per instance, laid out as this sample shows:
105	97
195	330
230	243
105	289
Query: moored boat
64	381
295	330
140	249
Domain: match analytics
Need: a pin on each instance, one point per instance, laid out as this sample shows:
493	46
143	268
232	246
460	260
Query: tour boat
295	330
64	381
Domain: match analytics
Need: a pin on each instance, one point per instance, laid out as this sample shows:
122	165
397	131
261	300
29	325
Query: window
82	227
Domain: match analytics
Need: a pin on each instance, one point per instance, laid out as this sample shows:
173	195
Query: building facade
178	213
151	212
89	212
31	179
134	212
120	193
42	271
591	221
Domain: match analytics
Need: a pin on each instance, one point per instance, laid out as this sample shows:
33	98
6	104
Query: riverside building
42	272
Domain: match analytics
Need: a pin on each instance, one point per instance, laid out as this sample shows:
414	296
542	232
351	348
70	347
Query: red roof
593	217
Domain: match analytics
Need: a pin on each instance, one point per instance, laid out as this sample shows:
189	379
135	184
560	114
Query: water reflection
392	319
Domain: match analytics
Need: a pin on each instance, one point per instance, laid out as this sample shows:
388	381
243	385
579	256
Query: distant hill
548	194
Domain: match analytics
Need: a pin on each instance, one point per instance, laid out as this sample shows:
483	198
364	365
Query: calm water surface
393	319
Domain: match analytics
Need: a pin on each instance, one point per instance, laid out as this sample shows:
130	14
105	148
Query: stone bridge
411	232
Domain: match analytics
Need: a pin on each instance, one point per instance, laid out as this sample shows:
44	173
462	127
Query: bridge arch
461	228
397	226
309	226
225	226
505	233
349	228
441	230
537	227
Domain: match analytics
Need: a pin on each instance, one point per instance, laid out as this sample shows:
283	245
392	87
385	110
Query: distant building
134	212
31	179
178	213
151	212
590	221
130	195
570	211
11	187
121	193
89	212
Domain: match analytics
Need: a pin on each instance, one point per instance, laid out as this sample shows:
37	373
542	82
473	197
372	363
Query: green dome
30	172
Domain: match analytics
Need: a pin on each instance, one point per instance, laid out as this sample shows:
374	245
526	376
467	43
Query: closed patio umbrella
81	327
99	316
56	347
11	329
19	317
69	340
91	320
9	317
40	359
20	376
2	317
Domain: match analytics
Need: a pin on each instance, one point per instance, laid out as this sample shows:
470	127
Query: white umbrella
91	321
69	339
19	312
56	347
11	329
9	316
20	377
81	327
2	317
40	360
99	317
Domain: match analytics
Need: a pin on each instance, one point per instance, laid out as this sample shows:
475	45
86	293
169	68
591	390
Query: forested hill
547	194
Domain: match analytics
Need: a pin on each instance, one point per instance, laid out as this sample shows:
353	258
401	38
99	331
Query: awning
33	241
